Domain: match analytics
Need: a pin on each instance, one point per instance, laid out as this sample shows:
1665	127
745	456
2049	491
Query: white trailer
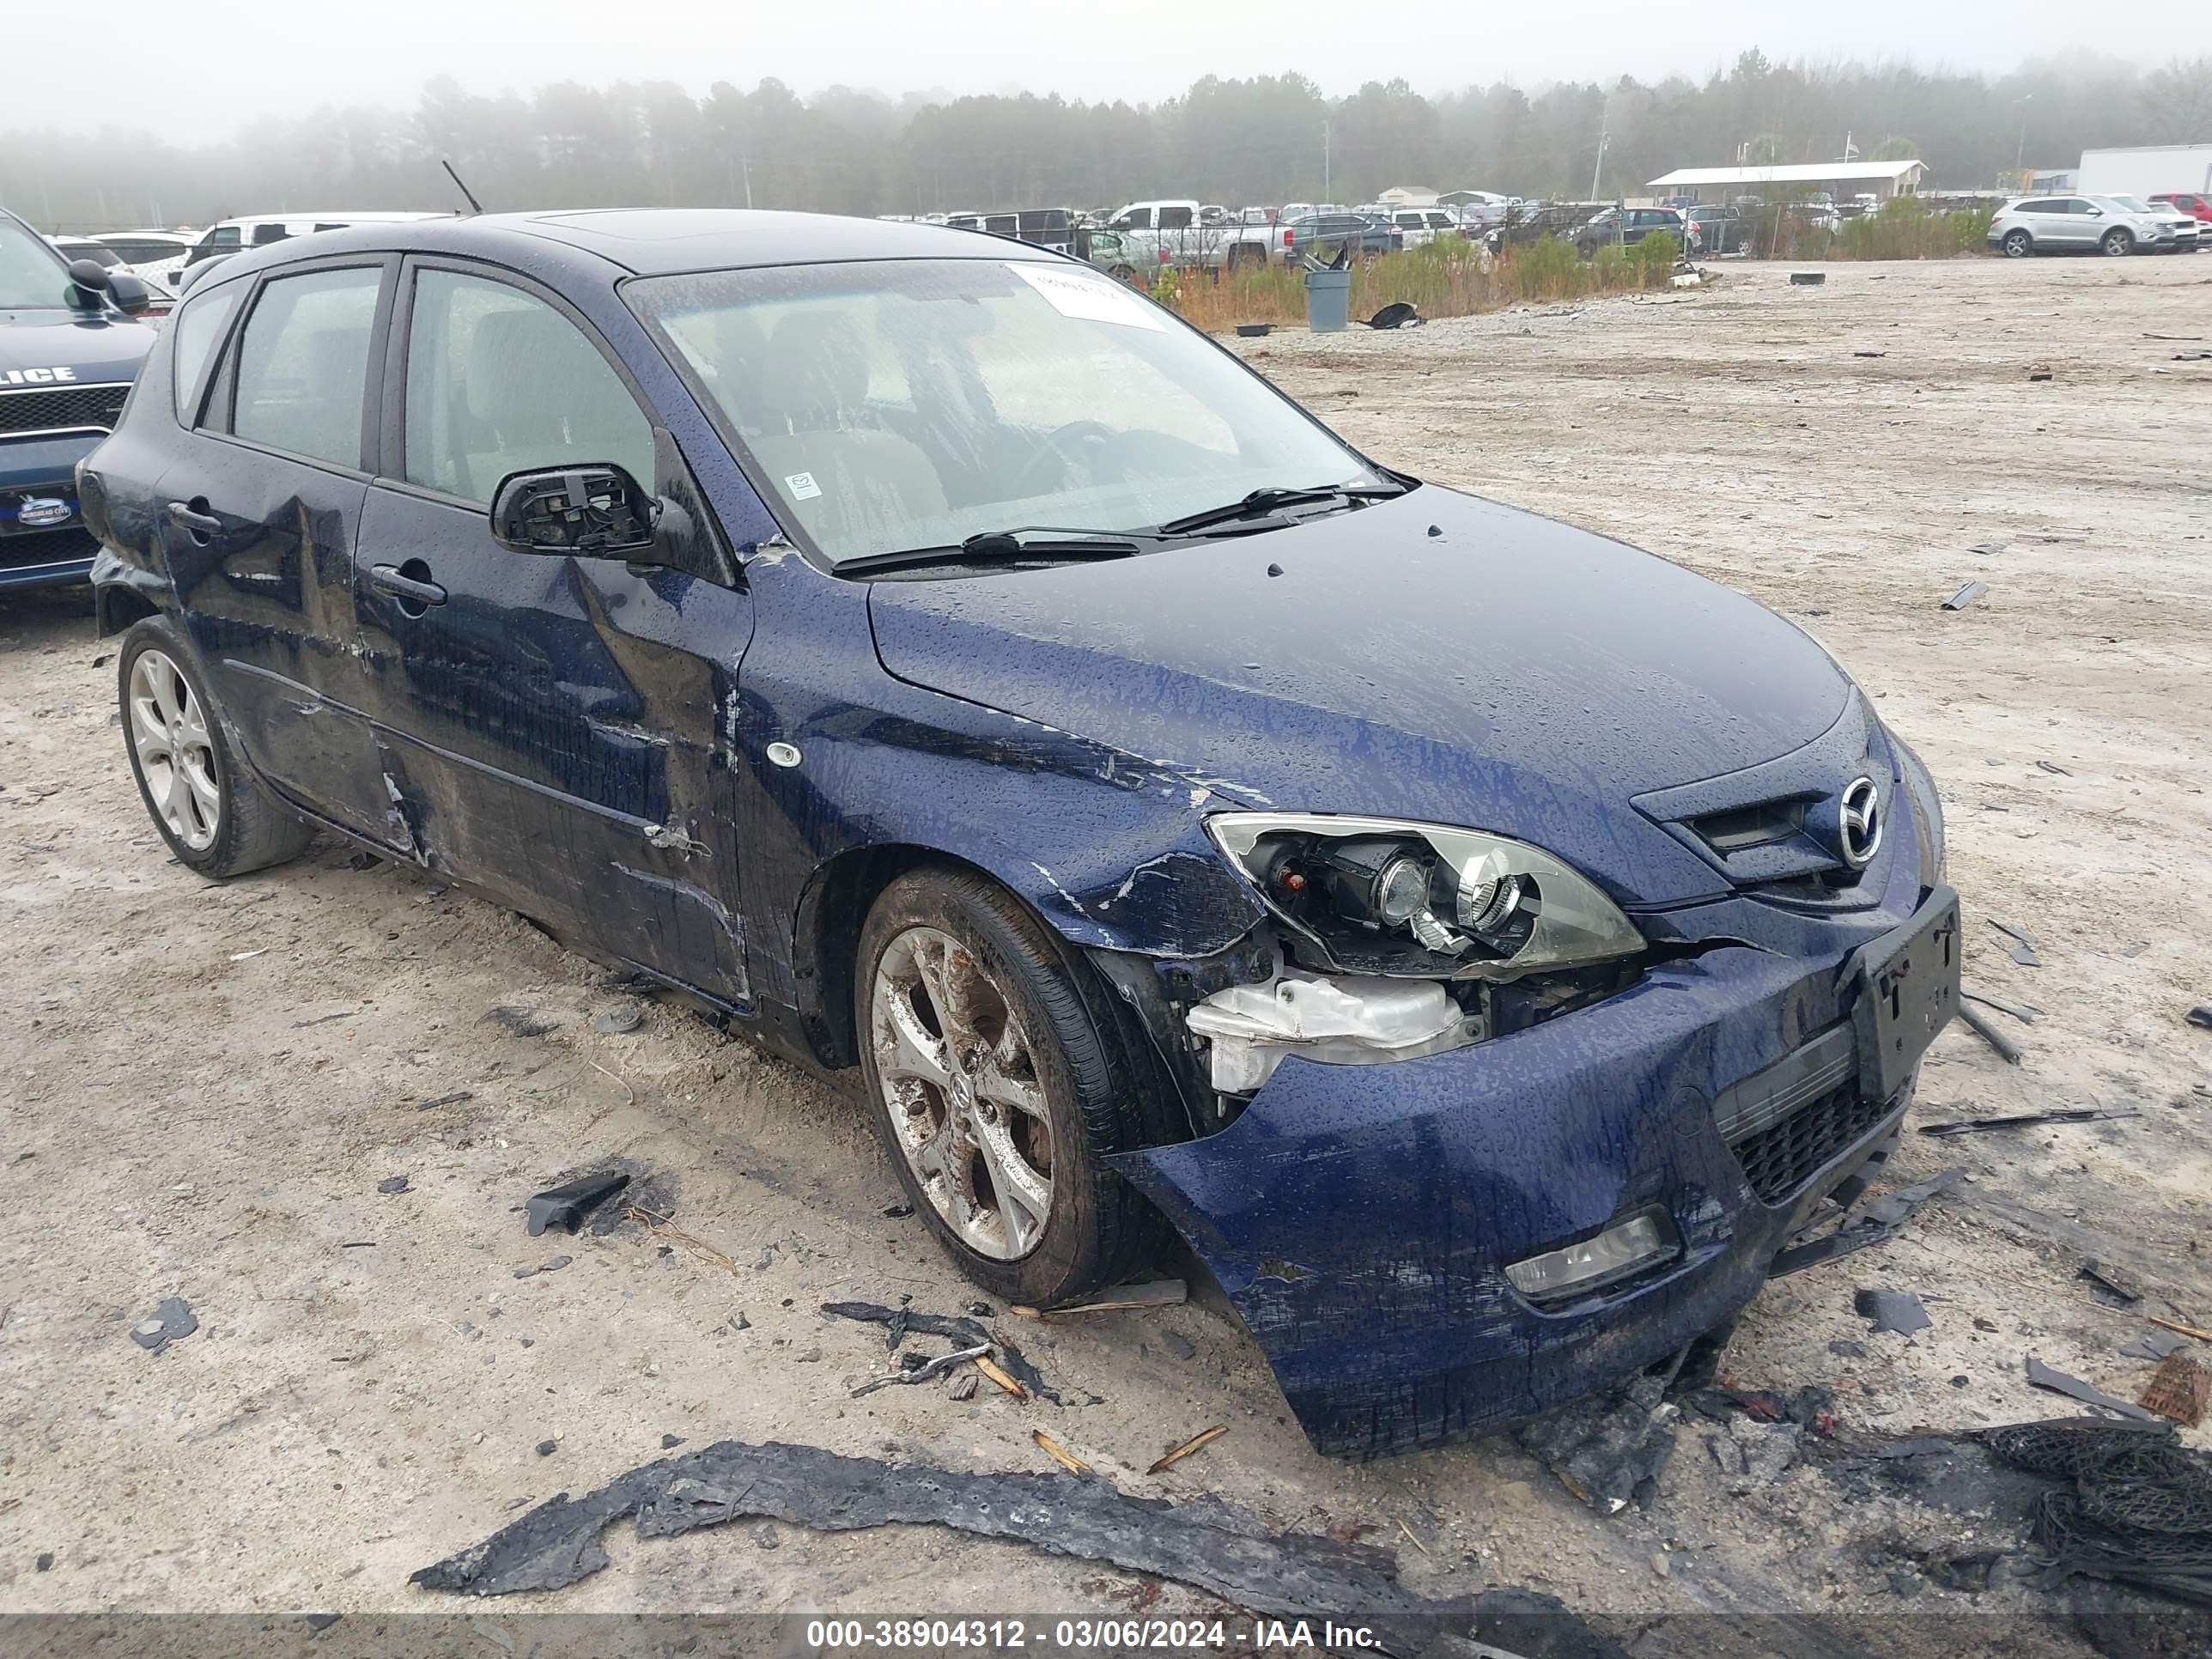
2146	171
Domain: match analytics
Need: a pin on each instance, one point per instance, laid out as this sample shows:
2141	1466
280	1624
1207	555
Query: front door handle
187	517
408	590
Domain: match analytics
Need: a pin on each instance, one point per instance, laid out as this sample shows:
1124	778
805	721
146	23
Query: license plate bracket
1908	991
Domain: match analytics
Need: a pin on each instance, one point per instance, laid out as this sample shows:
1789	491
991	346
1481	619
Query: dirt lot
207	1084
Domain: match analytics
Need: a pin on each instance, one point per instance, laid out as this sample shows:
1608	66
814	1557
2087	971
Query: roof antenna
475	206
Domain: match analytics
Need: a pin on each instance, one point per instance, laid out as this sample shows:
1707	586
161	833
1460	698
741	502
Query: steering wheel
1056	447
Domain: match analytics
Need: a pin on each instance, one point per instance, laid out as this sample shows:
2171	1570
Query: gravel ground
207	1085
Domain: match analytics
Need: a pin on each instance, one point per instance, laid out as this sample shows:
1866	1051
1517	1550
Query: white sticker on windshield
1096	299
802	486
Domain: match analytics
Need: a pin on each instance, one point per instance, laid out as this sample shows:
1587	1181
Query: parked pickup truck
1172	232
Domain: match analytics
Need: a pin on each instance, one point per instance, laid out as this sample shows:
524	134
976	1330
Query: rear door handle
183	515
387	578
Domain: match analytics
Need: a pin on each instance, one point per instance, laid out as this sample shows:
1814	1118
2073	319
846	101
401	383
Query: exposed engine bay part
1350	1020
1373	896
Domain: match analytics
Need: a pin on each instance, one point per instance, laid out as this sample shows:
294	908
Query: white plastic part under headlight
1496	909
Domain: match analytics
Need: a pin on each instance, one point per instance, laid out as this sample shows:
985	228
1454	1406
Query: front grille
46	547
62	408
1779	1159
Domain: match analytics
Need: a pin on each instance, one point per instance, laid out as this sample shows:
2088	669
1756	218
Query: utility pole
1324	162
2020	153
749	180
1604	134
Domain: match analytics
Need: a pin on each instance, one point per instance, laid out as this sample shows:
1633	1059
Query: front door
259	512
550	721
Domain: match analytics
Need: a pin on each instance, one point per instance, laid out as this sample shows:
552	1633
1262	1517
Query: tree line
1266	139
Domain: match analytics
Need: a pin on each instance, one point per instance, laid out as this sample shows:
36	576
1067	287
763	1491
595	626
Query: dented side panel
550	734
267	600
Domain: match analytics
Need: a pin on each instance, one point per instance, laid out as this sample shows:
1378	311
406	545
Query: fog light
1622	1249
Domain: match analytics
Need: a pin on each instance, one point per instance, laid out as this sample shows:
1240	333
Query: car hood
93	348
1434	657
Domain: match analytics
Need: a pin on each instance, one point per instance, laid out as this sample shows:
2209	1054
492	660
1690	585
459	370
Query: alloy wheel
959	1075
176	756
2017	244
2118	243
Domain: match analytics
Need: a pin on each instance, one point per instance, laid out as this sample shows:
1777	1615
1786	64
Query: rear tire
2018	244
1001	1073
216	815
2117	243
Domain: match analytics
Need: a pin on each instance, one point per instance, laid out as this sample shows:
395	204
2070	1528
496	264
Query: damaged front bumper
1363	1218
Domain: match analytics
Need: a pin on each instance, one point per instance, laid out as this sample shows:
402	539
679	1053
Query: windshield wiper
1261	502
1028	544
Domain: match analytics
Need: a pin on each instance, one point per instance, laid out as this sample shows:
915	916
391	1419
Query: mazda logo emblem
1858	824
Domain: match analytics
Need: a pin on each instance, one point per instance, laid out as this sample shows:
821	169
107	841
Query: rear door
547	720
259	511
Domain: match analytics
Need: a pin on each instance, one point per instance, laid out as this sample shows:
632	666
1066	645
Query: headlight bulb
1401	889
1486	905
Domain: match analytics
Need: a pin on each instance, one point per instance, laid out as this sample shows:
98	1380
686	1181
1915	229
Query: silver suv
2055	224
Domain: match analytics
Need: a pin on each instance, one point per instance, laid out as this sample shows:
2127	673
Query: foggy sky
203	70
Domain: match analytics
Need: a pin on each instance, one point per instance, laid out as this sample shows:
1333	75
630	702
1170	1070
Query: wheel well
831	912
115	607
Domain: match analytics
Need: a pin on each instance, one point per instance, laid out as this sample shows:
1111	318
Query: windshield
901	404
32	275
2132	203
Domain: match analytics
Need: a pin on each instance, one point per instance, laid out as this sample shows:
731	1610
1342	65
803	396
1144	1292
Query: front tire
217	817
2018	244
1001	1074
2117	243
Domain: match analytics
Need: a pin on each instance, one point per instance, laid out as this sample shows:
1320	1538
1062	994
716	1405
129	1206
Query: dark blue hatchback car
1481	942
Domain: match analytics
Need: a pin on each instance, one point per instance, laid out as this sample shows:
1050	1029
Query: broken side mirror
595	511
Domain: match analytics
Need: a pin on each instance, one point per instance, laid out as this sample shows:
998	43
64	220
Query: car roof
650	241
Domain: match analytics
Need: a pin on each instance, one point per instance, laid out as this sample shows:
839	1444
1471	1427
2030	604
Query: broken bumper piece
1371	1221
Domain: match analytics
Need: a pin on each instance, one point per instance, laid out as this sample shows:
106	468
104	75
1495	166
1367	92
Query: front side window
32	277
913	403
303	364
199	331
500	382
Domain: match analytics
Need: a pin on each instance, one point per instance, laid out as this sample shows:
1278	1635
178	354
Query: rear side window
199	331
303	364
500	382
1174	218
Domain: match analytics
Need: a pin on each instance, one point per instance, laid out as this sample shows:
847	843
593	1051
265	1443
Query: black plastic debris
566	1206
2154	1346
2200	1017
547	1448
670	1442
1966	596
2040	1376
452	1099
2054	768
898	1212
1608	1450
2022	948
1870	1221
1807	278
1255	331
320	1622
1400	313
1205	1543
172	1321
2120	1282
1974	1125
2025	1012
45	1562
961	1332
392	1184
1896	1311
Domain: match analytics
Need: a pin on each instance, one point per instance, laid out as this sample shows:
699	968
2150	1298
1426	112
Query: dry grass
1450	277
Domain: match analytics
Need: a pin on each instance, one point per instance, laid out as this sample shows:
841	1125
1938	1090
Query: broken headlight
1372	896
